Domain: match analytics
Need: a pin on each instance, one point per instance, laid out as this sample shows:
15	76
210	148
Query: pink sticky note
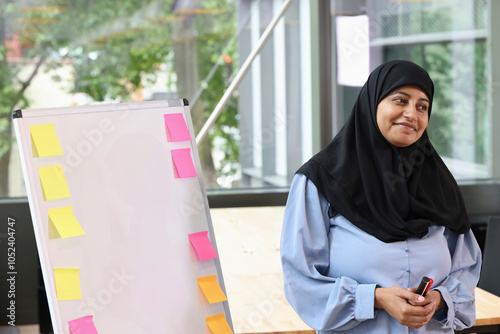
202	245
183	162
83	325
176	127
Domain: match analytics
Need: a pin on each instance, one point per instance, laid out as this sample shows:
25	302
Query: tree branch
25	84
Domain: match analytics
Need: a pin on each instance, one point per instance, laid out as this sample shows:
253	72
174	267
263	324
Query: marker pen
424	286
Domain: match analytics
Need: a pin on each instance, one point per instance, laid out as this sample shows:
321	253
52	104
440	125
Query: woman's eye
399	100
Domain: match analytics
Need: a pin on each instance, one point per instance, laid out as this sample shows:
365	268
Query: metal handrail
239	76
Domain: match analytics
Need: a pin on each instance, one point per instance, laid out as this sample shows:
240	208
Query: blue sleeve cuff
444	315
365	302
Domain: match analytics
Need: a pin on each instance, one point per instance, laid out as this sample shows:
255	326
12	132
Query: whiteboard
137	268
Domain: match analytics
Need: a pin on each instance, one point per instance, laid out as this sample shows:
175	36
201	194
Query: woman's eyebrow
406	94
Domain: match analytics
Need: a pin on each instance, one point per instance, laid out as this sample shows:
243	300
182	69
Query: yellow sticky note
65	222
45	140
218	324
67	284
211	289
53	182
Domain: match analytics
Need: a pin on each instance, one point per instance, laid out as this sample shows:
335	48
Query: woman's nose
410	112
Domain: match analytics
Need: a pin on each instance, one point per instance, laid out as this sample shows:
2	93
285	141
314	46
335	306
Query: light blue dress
331	269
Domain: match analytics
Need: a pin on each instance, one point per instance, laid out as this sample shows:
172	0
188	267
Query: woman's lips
408	125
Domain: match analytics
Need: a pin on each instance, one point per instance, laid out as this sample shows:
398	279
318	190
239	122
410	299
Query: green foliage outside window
113	48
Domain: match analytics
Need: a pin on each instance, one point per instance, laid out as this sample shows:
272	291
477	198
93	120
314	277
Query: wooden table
248	241
487	313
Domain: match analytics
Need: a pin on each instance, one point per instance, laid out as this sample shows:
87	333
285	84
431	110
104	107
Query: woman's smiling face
402	116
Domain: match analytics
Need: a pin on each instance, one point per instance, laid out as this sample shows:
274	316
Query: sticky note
218	324
176	127
54	184
45	140
183	162
65	222
67	284
211	289
202	245
83	325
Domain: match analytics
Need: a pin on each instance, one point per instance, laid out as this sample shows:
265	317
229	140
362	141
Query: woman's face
402	115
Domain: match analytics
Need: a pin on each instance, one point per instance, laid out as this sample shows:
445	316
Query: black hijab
389	192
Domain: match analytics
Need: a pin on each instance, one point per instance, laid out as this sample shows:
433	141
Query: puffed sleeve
323	302
458	288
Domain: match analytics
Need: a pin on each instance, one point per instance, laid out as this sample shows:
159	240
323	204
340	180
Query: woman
374	212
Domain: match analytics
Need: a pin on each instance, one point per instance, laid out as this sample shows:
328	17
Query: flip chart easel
121	219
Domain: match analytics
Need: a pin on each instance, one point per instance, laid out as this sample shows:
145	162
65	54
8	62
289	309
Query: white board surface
137	269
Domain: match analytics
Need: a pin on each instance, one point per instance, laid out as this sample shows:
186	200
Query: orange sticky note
183	162
176	127
53	182
202	245
65	222
67	283
218	324
211	289
45	140
83	325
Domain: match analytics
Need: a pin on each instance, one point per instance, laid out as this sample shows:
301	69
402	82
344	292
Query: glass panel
448	38
269	97
65	53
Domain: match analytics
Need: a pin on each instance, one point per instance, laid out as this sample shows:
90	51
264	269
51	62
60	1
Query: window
295	96
65	53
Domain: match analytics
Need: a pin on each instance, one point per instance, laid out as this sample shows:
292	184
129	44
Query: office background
291	102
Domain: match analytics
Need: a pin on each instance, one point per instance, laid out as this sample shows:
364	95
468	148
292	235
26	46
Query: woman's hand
431	296
396	301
